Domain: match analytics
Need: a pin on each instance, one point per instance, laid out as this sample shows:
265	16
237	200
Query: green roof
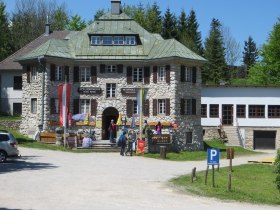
77	44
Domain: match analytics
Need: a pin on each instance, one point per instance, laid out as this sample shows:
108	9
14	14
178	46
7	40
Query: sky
243	18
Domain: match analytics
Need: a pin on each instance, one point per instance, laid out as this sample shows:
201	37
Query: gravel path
52	180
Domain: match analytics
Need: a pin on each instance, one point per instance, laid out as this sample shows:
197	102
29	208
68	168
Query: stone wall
11	124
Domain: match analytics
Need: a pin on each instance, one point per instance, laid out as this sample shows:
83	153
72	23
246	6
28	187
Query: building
248	116
107	63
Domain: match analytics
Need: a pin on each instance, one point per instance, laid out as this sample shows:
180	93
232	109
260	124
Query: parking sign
213	156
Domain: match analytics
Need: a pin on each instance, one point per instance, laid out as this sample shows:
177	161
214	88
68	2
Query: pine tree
153	19
213	71
5	41
169	25
250	53
182	28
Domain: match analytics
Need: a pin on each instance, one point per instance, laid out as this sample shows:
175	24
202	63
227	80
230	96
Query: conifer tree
182	27
169	25
153	19
250	53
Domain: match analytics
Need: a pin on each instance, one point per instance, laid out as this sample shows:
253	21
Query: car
8	146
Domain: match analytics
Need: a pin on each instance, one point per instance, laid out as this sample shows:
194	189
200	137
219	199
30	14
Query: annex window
33	105
118	40
214	110
161	106
111	68
84	106
189	139
204	110
17	82
96	40
274	111
162	74
84	74
107	40
138	75
241	111
33	73
110	90
257	111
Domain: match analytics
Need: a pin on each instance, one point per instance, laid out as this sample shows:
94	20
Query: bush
277	170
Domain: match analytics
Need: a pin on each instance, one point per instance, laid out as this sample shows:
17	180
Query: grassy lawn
9	118
202	155
252	183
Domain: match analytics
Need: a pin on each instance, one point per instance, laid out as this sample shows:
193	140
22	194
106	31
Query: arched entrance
109	114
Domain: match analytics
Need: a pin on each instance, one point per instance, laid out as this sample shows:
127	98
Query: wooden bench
48	138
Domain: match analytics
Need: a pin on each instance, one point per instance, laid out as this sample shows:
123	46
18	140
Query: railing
240	137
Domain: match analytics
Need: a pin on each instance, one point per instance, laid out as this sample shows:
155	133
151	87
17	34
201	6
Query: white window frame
111	90
34	105
34	73
59	74
188	74
84	105
138	74
96	40
111	68
130	40
162	106
107	40
118	40
135	107
162	74
85	74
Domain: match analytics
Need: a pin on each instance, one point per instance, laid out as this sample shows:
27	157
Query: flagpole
65	117
140	117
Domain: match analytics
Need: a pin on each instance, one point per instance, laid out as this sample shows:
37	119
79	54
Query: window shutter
76	106
183	73
120	68
129	104
154	107
52	72
93	75
146	108
155	74
76	74
52	105
102	68
167	74
94	107
167	111
66	73
182	111
194	74
193	106
129	75
28	73
146	75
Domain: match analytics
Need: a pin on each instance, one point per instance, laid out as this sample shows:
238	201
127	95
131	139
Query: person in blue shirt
122	143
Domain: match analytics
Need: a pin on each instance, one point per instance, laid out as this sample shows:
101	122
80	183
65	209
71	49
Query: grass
252	183
9	118
202	155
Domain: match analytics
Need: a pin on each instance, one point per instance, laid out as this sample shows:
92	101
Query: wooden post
162	152
213	176
206	175
193	173
229	182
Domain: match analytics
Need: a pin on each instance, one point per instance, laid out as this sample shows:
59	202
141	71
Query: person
112	128
158	128
87	141
145	127
122	143
130	143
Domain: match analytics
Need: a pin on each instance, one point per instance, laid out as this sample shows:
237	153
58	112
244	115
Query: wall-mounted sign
89	90
131	91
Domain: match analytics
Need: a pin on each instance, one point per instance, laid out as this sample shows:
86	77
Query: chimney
116	7
47	27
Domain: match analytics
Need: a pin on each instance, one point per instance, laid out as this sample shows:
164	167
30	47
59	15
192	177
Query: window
56	105
85	74
111	68
96	40
161	106
84	106
118	40
138	75
188	106
273	111
203	110
241	111
256	111
130	40
214	110
17	109
188	74
161	74
33	105
135	107
59	73
17	83
33	73
189	139
107	40
110	90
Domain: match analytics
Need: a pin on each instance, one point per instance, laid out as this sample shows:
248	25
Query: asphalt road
53	180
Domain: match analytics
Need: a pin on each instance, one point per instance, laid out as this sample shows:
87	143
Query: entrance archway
110	113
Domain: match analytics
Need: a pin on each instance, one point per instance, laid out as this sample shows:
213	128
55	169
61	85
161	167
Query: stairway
232	136
102	146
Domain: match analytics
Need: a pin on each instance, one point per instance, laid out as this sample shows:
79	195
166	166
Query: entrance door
227	113
109	114
264	139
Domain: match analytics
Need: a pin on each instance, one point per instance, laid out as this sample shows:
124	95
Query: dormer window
119	40
113	40
130	40
107	40
96	40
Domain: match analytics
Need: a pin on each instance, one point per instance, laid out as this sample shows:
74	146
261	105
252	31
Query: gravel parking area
44	179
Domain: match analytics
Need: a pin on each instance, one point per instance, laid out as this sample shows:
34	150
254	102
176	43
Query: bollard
162	152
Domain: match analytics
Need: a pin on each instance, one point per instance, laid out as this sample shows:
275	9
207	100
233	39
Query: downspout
43	92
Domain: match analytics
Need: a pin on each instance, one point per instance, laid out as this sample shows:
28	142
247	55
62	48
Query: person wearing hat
122	143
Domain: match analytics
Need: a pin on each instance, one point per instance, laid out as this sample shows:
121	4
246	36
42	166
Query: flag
86	120
64	91
140	106
119	121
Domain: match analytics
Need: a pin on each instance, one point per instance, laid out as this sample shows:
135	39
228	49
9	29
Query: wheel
3	156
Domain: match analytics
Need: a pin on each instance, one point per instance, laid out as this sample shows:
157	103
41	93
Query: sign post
213	158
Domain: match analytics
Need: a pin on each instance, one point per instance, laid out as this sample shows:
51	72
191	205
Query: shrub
277	170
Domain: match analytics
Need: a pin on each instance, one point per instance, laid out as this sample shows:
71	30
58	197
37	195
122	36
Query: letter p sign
213	156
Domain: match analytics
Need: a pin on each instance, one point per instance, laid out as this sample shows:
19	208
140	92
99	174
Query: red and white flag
64	91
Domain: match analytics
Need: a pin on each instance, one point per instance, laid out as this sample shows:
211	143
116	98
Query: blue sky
242	17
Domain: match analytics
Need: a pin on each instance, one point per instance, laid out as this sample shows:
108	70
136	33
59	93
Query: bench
48	138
